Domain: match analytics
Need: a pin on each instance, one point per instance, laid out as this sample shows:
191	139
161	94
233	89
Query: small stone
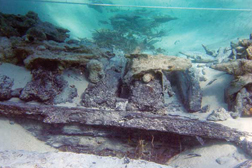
48	87
203	71
95	70
239	48
6	84
121	104
126	160
201	65
16	92
202	78
205	109
223	160
219	115
35	34
148	77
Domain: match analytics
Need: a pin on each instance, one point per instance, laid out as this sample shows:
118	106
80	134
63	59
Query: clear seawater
213	23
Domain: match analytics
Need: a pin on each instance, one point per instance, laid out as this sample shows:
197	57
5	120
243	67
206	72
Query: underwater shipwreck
120	94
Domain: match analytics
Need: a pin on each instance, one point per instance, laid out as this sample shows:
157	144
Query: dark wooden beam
127	119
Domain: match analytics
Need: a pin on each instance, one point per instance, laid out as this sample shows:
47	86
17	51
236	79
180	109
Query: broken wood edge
127	119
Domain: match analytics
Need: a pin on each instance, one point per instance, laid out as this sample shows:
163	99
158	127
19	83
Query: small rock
148	77
48	87
201	65
16	92
121	104
219	115
6	84
249	52
203	71
95	70
205	109
35	34
126	160
222	160
202	78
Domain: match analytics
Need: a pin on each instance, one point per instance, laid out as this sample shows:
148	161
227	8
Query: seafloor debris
18	51
211	56
140	64
240	102
146	96
129	119
31	26
110	141
48	54
246	164
142	70
219	115
198	57
6	84
188	85
235	67
148	77
238	94
239	83
95	71
104	93
242	49
211	82
48	87
142	87
26	40
209	52
144	84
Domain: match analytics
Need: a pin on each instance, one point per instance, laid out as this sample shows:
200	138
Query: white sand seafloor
212	155
15	137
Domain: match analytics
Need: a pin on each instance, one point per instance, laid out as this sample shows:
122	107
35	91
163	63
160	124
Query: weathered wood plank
138	120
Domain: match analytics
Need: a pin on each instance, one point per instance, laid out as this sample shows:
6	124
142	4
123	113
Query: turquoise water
212	23
157	27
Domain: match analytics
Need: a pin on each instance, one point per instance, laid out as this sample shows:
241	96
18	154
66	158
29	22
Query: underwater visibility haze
173	25
141	81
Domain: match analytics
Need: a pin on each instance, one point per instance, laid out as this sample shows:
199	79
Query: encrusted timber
138	120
